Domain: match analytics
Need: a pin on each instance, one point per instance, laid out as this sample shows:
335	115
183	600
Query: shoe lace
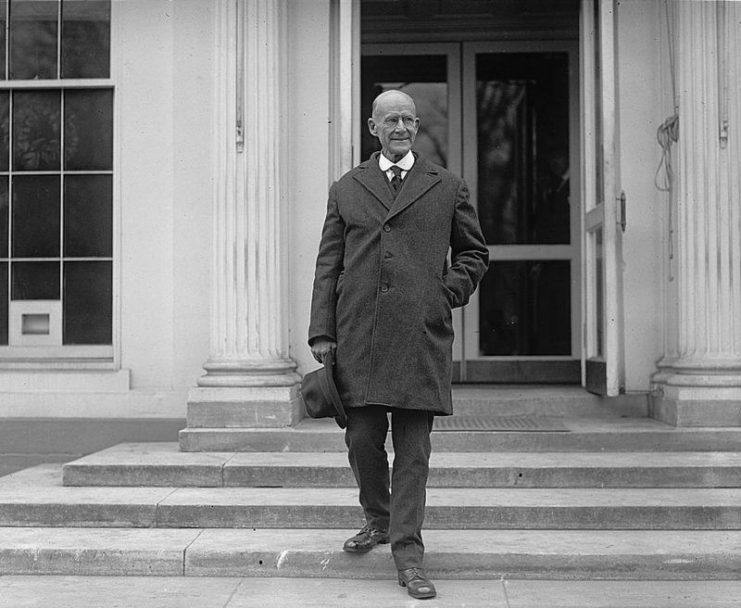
415	573
369	529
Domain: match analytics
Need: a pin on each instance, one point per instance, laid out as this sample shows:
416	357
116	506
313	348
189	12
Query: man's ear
372	127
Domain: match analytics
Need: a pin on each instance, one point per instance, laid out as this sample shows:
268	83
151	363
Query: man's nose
400	126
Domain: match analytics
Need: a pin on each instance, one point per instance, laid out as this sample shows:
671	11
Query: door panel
602	354
518	107
525	308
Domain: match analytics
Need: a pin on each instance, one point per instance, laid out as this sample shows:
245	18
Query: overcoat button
385	288
386	228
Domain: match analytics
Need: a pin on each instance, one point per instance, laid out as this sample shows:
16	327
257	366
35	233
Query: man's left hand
320	348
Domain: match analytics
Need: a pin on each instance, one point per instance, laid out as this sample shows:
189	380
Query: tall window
56	176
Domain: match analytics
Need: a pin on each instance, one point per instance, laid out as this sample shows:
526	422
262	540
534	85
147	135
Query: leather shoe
417	583
366	539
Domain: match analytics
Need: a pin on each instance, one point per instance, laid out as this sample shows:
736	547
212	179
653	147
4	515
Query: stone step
162	464
458	554
36	497
612	434
278	592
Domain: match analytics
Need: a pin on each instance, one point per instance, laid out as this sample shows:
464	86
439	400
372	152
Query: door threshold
519	371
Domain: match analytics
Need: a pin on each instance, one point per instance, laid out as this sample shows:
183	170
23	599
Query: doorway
504	116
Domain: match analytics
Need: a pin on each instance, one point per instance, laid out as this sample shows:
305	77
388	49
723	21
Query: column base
244	394
244	407
683	397
245	373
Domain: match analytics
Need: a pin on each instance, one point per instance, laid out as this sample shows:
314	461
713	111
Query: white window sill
56	357
60	380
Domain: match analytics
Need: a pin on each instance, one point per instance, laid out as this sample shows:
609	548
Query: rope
667	134
669	130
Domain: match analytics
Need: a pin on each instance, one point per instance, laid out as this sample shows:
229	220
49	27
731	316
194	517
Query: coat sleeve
329	265
469	254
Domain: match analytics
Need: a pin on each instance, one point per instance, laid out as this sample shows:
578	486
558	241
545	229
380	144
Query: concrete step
611	434
162	464
278	592
469	554
36	497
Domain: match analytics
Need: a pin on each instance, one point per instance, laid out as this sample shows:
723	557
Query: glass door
519	120
503	116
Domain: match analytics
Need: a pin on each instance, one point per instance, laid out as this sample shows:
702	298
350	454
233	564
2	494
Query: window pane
88	128
88	216
523	147
35	216
4	200
35	281
4	130
425	79
3	303
88	313
525	308
33	39
86	38
36	131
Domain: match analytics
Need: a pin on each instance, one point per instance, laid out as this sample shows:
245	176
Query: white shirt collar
405	163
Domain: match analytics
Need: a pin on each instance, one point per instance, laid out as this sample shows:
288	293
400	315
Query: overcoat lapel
374	180
418	181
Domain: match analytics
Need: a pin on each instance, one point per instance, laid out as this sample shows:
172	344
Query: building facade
166	165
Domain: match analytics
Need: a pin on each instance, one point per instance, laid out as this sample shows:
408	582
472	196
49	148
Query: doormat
499	423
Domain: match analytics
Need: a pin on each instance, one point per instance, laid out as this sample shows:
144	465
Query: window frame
74	356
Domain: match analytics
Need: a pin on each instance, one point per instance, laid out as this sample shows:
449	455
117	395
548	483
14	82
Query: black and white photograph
370	303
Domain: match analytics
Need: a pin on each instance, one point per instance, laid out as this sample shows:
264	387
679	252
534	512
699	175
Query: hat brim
330	389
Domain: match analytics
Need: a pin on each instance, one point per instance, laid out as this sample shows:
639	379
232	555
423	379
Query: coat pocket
448	294
440	309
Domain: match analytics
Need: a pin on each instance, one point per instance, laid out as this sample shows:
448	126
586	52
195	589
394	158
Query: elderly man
382	300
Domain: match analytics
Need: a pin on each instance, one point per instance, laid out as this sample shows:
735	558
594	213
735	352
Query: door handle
623	211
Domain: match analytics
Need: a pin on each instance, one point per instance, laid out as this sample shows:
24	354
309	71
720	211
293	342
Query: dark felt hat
320	393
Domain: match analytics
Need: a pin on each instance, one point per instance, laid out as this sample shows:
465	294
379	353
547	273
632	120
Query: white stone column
699	379
250	379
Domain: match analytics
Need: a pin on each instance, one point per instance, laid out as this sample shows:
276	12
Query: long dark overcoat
383	289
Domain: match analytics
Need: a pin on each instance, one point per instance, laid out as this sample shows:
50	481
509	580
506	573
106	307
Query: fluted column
250	379
699	382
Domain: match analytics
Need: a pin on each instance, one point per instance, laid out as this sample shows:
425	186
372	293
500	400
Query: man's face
395	124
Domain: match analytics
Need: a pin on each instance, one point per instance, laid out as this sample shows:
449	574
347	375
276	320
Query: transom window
56	177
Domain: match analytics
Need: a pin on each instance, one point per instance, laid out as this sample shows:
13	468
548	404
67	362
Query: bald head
392	97
394	122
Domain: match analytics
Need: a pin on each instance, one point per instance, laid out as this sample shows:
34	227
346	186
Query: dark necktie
396	180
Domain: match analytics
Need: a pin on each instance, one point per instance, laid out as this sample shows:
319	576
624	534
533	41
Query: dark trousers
400	508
